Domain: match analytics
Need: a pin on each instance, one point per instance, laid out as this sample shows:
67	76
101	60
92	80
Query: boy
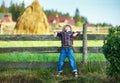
66	37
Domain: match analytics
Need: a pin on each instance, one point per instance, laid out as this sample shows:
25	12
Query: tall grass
88	73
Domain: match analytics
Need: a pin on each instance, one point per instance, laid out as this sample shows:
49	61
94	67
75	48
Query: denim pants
66	52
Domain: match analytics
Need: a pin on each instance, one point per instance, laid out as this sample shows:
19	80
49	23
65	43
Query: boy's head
67	28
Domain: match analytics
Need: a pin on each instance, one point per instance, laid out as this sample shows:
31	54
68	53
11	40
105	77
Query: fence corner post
84	55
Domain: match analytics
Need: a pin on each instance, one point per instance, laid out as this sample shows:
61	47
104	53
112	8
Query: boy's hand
75	34
55	34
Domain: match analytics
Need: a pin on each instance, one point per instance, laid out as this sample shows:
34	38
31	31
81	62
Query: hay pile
32	21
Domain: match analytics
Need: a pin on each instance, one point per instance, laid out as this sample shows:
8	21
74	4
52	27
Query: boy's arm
55	34
76	34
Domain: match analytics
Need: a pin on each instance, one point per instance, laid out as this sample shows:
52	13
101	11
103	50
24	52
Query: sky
96	11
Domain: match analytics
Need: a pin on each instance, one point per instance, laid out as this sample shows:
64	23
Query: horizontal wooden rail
45	37
47	49
38	64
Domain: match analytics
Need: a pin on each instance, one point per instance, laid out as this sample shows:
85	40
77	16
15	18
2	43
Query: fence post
84	56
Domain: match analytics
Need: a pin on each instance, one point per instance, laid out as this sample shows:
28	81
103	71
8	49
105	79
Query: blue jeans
66	52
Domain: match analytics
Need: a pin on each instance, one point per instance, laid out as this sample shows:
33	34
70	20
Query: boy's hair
67	26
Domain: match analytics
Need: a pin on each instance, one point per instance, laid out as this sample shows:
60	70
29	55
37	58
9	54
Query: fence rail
38	64
47	49
46	37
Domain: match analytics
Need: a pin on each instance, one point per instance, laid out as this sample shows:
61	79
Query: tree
77	16
111	51
54	13
79	20
16	9
3	8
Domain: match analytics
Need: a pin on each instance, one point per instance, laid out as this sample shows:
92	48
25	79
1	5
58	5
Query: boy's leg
72	60
61	59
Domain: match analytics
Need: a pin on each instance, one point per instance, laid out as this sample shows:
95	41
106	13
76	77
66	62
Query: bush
79	24
111	50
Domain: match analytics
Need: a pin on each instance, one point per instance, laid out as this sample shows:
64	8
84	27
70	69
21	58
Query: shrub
78	24
111	50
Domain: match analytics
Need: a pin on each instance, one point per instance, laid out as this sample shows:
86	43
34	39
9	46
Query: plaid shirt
66	38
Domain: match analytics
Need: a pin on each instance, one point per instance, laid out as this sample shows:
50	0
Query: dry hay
7	27
32	21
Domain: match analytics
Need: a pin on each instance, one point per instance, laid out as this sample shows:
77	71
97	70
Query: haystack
32	21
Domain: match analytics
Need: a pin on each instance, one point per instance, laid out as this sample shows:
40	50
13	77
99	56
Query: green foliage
111	50
102	25
54	13
3	8
79	24
79	19
16	10
46	57
48	75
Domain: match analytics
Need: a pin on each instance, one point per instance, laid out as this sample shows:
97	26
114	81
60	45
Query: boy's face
67	28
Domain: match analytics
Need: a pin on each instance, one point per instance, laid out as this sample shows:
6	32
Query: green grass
46	43
46	57
88	73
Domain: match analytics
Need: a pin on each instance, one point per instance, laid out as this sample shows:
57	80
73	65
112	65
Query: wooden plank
45	37
47	49
94	49
39	64
96	37
34	49
28	38
27	64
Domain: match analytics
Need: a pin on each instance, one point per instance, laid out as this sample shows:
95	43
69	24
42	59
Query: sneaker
76	74
58	74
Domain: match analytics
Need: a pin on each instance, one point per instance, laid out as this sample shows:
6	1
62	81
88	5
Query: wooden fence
84	49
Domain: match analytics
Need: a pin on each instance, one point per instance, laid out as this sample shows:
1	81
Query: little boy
66	37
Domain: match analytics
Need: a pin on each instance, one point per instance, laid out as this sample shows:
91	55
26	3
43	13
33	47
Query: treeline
79	20
17	9
103	24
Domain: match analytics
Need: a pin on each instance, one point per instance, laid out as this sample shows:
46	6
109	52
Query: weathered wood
29	38
35	49
45	37
28	64
39	64
96	37
94	49
84	59
47	49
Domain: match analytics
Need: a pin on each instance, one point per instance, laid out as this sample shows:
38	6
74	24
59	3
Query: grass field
88	73
47	57
46	43
26	56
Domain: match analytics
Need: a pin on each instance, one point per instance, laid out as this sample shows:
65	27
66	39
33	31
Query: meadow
91	43
88	73
46	57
